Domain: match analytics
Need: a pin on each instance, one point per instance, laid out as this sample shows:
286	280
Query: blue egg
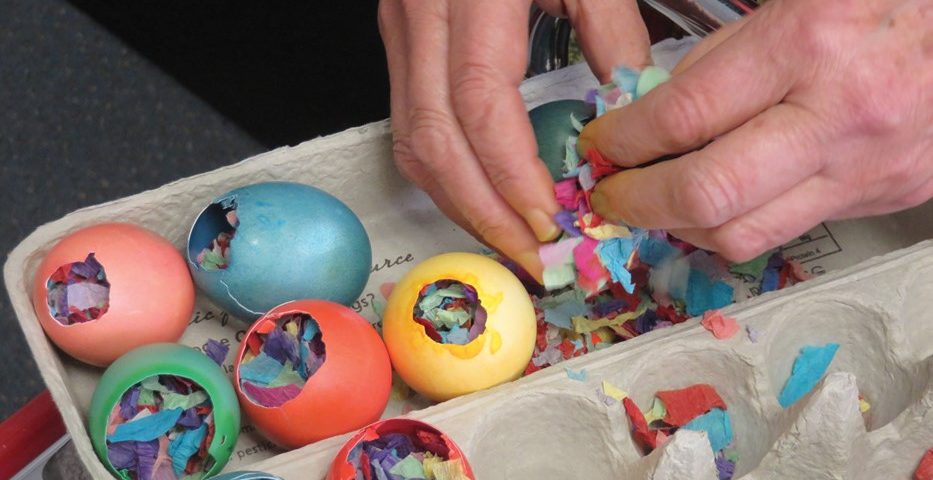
246	476
262	245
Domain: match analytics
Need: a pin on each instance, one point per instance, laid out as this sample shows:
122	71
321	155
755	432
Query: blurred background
102	99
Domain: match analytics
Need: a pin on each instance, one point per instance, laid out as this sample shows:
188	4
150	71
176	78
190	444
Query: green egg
167	359
552	126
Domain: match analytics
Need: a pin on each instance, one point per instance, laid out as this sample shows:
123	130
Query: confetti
289	354
809	367
450	312
721	326
421	454
161	428
78	292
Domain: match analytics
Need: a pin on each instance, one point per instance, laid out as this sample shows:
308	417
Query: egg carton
546	425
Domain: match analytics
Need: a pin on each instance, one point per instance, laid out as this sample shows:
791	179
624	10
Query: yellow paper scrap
582	324
607	231
449	470
863	405
612	391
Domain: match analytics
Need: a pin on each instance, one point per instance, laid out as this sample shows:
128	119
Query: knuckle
473	83
710	194
491	228
744	241
679	117
430	133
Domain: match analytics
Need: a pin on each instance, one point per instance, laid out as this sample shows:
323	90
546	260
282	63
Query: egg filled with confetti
309	370
107	289
458	323
164	411
264	244
400	448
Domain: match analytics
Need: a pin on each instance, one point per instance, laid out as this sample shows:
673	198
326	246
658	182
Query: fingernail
542	224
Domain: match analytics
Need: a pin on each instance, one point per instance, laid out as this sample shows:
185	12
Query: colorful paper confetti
277	363
78	292
161	429
217	255
808	369
450	312
401	456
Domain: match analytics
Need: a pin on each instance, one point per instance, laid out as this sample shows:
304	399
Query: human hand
461	131
815	110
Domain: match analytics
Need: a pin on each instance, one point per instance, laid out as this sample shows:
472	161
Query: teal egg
291	242
552	126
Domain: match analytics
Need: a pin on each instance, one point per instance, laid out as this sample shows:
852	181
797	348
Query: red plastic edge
29	432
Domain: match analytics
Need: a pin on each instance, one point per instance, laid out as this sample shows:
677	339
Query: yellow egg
499	354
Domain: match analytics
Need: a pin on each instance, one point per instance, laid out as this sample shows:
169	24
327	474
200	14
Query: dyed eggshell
293	242
551	123
167	359
349	390
245	475
443	371
151	294
342	469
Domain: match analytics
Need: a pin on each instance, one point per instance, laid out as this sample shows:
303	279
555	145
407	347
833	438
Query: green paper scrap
753	268
559	276
650	77
176	400
409	468
450	318
287	376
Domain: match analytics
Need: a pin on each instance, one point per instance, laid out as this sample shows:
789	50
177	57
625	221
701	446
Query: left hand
815	111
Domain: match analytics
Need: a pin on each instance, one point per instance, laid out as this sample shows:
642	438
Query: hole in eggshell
211	235
175	408
276	365
450	312
78	292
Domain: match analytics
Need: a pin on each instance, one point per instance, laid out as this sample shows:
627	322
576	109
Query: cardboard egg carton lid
546	425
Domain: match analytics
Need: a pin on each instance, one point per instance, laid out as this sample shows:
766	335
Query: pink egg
107	289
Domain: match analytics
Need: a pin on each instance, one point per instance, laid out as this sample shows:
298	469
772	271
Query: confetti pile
78	292
280	359
450	312
697	407
161	430
605	283
217	256
400	456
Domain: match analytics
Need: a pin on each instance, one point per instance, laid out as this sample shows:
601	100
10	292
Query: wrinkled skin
819	110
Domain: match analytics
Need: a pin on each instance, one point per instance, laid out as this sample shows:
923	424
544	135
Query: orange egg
349	390
151	295
342	469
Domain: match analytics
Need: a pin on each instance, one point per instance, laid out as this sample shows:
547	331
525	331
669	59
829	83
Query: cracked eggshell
348	391
151	295
293	242
443	371
552	127
167	359
342	469
247	475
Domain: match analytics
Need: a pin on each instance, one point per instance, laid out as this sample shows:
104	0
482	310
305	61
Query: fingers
488	55
708	44
773	224
731	176
451	173
611	33
724	88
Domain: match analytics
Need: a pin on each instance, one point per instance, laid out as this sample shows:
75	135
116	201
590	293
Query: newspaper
404	227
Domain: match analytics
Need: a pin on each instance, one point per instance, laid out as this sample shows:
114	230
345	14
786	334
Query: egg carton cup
546	425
